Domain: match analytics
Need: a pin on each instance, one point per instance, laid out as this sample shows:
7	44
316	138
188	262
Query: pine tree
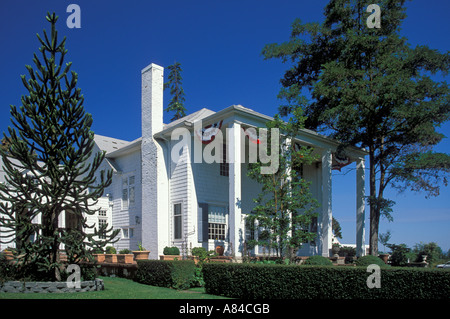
50	168
285	211
370	89
176	104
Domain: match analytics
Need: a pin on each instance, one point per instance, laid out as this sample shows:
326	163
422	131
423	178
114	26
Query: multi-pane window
250	227
177	221
224	166
217	222
102	222
128	192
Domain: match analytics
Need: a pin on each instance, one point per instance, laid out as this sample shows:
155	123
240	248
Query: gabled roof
109	144
190	118
115	147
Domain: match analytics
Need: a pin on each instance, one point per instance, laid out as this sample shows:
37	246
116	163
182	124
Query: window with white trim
217	222
128	191
127	233
177	221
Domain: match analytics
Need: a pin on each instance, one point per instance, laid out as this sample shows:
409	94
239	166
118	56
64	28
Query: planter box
221	259
100	258
8	255
110	258
125	258
170	257
141	254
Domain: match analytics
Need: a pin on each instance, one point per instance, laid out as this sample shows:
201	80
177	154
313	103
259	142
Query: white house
159	201
164	195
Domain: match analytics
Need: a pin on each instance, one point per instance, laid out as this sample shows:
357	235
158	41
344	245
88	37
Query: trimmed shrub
318	260
365	261
178	274
253	281
125	251
171	251
110	250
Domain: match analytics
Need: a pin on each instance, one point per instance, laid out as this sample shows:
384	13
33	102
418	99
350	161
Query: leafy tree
50	168
431	250
176	104
336	227
285	208
384	238
369	88
399	256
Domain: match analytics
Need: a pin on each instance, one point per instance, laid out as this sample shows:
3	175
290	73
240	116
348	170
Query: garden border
50	287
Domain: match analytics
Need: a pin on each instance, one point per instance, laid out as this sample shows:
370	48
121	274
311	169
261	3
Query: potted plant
384	257
8	253
170	253
110	254
219	250
125	256
335	249
98	255
141	253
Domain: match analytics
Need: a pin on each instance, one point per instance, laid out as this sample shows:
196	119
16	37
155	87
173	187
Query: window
177	221
250	227
127	233
217	222
224	166
128	192
73	221
102	222
313	228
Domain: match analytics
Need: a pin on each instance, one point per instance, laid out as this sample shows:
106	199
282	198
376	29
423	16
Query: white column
326	214
360	207
234	158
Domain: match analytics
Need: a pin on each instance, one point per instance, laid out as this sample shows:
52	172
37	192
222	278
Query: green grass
120	288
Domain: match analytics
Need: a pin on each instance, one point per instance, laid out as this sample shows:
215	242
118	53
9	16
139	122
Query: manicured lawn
120	288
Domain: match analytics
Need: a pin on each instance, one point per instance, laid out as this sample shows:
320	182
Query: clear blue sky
219	45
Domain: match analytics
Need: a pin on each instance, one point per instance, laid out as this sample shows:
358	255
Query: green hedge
252	281
171	251
318	261
178	274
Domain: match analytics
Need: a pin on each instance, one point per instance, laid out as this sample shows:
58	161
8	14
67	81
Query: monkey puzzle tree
369	88
50	168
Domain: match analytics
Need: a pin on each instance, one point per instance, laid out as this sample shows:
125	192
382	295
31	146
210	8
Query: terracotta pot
110	258
125	258
8	255
219	250
170	257
141	254
384	257
99	257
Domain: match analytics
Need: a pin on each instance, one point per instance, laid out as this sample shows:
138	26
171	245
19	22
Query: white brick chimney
155	195
152	100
